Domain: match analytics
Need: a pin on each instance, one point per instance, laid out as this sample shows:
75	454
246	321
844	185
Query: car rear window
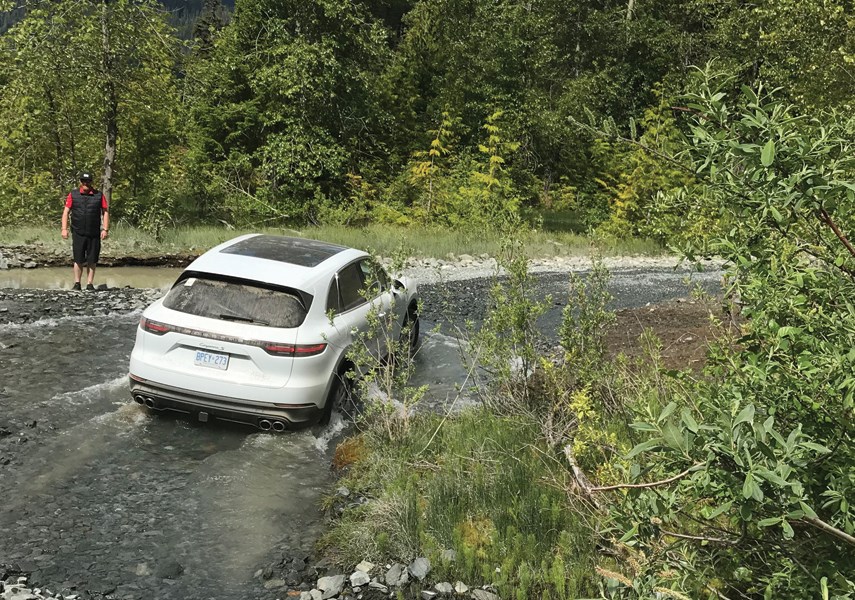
233	301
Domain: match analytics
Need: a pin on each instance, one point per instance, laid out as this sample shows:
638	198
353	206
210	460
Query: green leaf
667	411
769	522
643	447
788	530
750	487
629	534
807	509
689	420
767	155
746	415
720	510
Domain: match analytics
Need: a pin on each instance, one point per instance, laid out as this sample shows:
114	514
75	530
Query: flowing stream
99	497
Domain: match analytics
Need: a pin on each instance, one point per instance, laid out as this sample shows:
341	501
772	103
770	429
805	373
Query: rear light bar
155	327
272	348
295	350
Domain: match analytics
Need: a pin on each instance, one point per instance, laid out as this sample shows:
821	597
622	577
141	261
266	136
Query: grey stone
461	588
30	265
397	575
365	566
428	595
419	568
271	584
169	569
448	556
376	585
21	595
331	586
444	588
305	596
359	578
484	595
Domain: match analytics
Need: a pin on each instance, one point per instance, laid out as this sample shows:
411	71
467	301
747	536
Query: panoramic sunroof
297	251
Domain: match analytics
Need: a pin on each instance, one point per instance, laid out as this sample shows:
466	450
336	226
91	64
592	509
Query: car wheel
412	321
340	396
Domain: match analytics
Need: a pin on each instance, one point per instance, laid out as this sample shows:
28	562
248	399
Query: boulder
359	578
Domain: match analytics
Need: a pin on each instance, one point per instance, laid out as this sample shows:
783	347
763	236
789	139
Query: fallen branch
581	479
625	486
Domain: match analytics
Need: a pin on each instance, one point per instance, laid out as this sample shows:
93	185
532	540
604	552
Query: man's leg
78	271
92	258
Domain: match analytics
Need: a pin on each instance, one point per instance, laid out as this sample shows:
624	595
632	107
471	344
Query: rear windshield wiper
226	317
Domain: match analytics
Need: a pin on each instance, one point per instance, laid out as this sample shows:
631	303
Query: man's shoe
89	286
76	286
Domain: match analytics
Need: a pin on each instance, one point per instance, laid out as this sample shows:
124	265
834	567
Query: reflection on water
55	278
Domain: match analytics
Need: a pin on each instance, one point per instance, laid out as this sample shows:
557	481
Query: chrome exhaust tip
149	402
278	426
139	399
264	425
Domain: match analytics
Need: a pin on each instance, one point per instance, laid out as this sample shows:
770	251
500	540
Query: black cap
85	176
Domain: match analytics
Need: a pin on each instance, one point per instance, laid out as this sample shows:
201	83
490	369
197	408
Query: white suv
257	331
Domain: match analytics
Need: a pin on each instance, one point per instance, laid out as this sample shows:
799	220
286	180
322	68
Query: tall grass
479	485
380	239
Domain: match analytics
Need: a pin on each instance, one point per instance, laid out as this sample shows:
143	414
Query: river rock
461	588
397	575
419	568
444	588
359	578
484	595
365	566
331	585
272	584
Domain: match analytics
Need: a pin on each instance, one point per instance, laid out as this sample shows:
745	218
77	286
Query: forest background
444	112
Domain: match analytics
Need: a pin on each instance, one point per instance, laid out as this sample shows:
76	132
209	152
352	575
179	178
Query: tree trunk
630	7
57	139
112	108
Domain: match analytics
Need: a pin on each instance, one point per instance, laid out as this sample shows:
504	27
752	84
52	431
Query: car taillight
295	350
155	327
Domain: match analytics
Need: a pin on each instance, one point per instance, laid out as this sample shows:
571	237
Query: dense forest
437	111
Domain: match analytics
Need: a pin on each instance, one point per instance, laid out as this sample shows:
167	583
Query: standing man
86	205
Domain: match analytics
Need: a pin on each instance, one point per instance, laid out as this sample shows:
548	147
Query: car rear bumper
206	406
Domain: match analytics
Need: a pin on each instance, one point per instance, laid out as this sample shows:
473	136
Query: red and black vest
86	213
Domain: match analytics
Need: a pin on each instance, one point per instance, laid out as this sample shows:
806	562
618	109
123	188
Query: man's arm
105	231
65	212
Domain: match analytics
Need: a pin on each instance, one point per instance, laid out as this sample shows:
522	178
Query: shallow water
58	278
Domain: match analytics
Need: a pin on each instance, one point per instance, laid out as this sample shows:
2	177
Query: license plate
213	360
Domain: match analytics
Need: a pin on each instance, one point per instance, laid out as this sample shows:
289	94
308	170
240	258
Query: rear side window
233	301
350	287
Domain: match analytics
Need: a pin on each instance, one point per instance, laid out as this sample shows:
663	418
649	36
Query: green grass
379	239
481	486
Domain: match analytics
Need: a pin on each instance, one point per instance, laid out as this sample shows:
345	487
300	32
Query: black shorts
86	249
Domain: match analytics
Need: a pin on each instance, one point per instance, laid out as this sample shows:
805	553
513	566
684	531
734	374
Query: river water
99	497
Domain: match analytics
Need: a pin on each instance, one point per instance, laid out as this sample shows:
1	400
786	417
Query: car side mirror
398	286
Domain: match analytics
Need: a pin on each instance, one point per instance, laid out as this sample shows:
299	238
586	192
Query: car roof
280	260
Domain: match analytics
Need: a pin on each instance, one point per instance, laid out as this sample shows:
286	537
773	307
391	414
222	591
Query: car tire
340	395
412	321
